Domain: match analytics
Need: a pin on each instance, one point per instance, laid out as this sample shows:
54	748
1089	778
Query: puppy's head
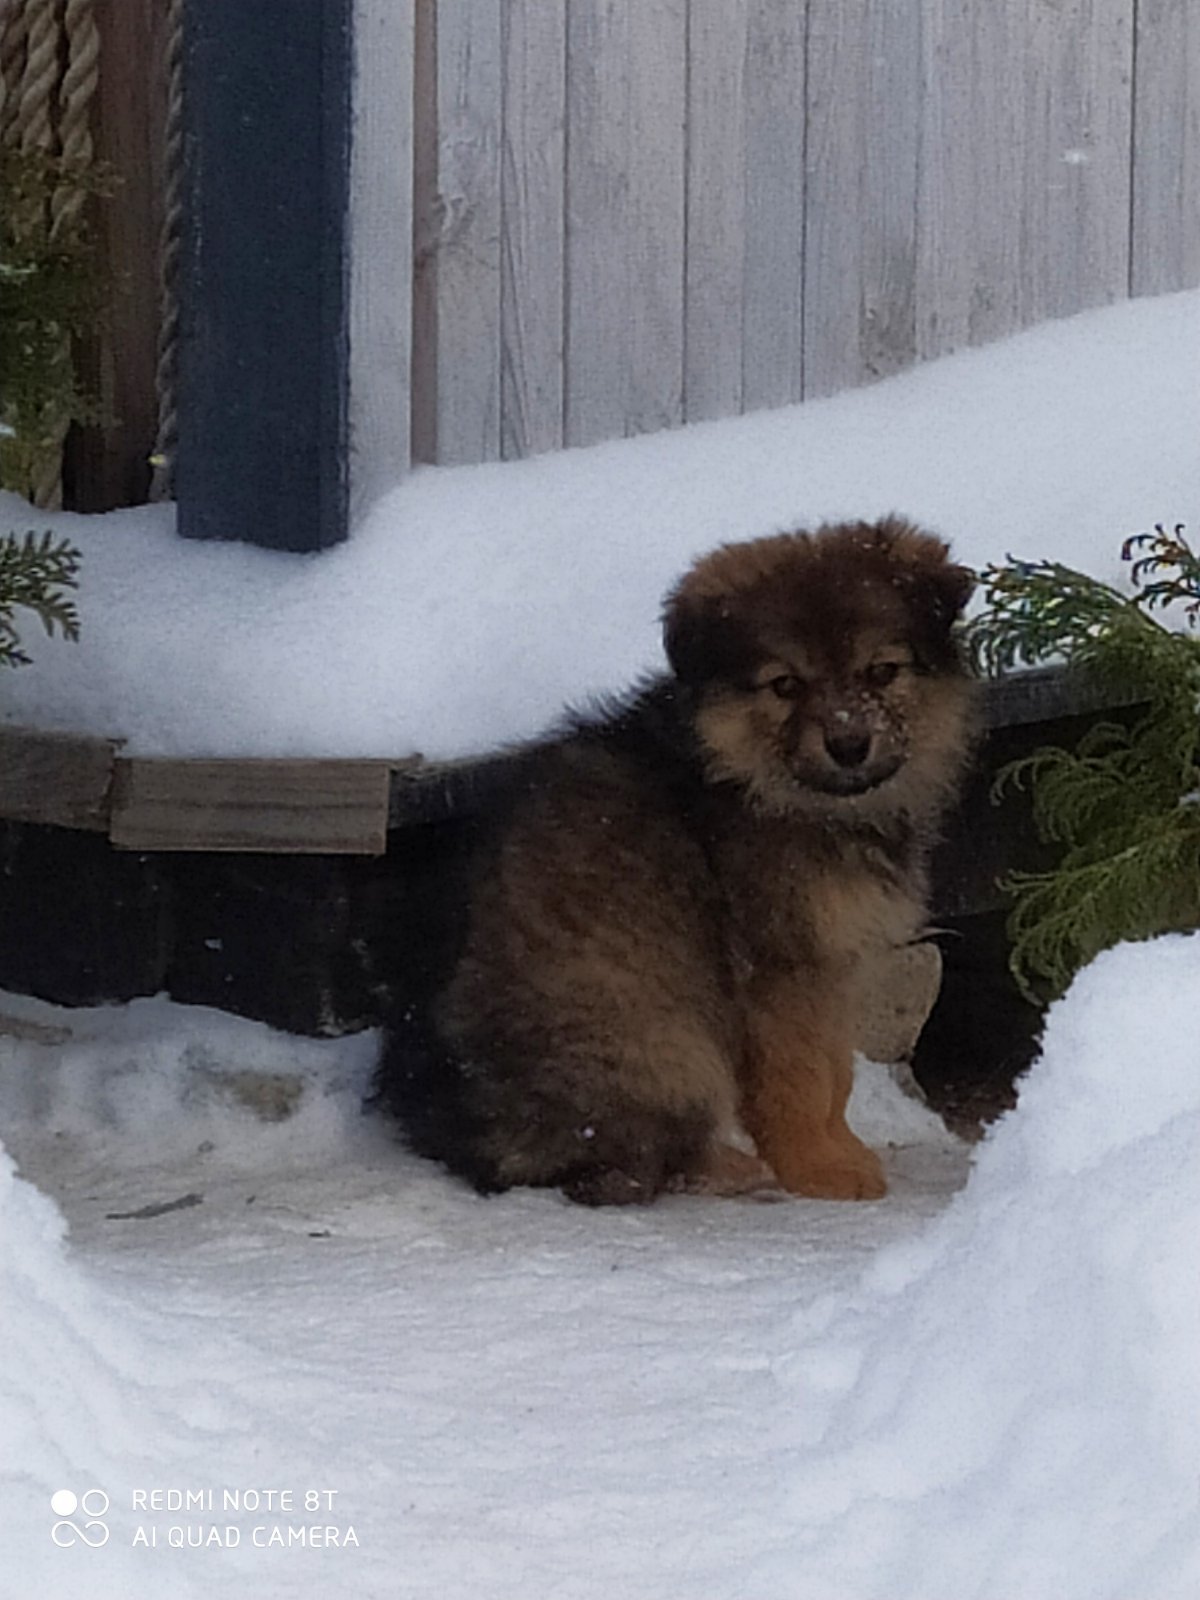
823	667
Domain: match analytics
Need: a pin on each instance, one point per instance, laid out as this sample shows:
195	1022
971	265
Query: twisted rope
30	124
13	26
170	246
75	96
44	107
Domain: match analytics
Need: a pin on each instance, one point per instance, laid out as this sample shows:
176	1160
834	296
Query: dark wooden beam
264	292
108	465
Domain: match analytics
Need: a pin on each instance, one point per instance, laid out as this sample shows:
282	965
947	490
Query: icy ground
986	1392
475	601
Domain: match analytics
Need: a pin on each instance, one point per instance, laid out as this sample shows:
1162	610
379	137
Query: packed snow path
960	1393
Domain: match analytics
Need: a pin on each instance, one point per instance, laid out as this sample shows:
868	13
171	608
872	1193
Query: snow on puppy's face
826	674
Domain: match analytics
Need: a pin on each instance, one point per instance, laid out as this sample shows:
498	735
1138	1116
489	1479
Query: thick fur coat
663	922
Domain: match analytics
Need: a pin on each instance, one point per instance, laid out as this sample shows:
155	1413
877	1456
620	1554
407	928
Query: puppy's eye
880	673
787	686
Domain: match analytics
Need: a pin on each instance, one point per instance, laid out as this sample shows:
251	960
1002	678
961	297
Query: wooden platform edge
278	807
61	779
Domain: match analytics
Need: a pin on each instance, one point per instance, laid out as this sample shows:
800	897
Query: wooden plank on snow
60	779
298	807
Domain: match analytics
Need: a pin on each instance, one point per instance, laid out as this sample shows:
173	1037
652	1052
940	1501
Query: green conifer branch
34	572
1124	804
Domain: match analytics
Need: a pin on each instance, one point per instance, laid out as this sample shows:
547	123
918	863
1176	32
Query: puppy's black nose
848	749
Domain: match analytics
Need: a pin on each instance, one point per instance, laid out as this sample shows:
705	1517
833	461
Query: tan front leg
799	1074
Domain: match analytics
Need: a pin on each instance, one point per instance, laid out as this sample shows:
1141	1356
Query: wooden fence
635	213
561	221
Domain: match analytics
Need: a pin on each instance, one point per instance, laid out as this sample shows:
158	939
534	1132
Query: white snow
985	1392
232	1282
474	602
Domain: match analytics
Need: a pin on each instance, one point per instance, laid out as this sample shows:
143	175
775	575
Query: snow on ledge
474	602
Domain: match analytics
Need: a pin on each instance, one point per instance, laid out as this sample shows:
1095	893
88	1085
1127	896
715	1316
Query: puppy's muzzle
848	748
856	763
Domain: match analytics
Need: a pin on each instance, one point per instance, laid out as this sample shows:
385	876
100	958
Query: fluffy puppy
664	919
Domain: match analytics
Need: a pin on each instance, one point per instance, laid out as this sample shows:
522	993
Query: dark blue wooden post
264	345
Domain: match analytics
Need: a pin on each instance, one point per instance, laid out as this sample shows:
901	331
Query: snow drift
995	1401
1007	1405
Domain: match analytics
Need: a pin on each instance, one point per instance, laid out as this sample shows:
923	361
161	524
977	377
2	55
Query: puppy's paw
609	1186
837	1178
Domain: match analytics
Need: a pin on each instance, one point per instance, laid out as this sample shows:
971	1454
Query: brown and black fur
663	925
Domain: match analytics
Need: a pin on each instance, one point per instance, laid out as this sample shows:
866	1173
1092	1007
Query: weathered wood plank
1077	137
297	807
1166	147
380	248
62	779
597	237
860	234
532	225
715	249
657	67
971	181
773	313
456	416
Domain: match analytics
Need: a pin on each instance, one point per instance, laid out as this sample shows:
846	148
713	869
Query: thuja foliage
1124	804
51	292
35	573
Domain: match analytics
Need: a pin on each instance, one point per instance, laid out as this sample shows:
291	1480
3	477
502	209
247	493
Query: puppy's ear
948	588
702	637
942	586
691	630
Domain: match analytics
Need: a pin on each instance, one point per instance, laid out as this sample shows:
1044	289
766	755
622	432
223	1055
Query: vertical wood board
860	238
1166	147
598	332
657	67
1078	106
457	381
715	243
970	198
532	226
773	314
381	248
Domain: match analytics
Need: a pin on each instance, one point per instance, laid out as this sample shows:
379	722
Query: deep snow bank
1007	1407
79	1408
